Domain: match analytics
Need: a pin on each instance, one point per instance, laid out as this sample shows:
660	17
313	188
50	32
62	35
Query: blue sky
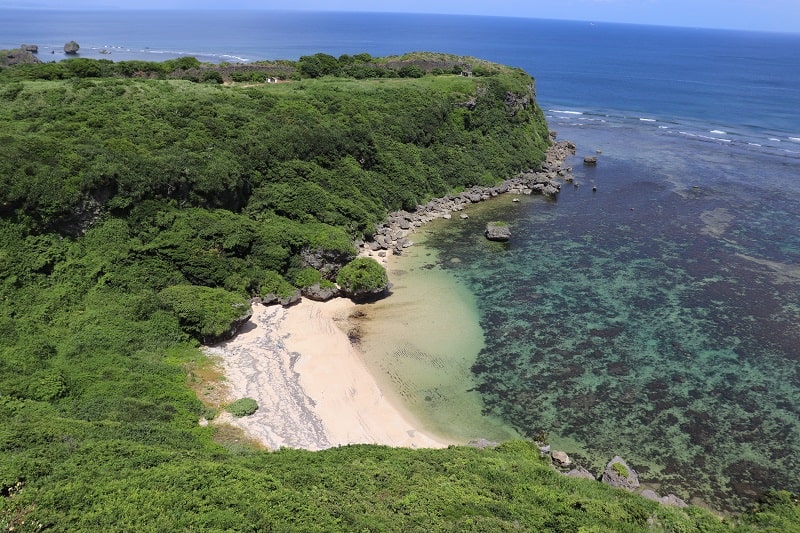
763	15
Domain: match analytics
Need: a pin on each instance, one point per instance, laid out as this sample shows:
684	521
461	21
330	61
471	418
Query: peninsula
144	206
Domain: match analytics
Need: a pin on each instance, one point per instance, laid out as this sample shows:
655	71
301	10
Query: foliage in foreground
353	488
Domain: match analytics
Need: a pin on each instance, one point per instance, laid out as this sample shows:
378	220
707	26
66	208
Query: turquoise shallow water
422	342
656	318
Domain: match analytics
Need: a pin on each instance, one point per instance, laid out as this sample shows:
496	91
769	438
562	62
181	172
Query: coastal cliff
144	204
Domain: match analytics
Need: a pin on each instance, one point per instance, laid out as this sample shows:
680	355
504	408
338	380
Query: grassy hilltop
143	204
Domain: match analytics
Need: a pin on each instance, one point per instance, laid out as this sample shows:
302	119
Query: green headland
143	205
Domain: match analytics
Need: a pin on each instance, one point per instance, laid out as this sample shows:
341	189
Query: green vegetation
620	469
204	312
242	407
141	209
362	276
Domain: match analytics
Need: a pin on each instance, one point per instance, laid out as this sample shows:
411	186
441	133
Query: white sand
312	387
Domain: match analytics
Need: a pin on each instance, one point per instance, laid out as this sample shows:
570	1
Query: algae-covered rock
497	231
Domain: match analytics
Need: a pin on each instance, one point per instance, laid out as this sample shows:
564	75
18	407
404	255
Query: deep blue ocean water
657	317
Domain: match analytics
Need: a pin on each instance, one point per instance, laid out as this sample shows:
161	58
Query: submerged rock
482	444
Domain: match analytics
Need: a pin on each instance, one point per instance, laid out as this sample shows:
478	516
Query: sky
758	15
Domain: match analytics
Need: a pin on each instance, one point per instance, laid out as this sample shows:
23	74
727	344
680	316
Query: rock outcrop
580	473
561	459
327	262
367	295
285	301
210	340
497	231
18	56
71	47
320	294
618	474
393	233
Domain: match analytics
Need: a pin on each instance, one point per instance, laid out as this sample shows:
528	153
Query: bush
273	283
242	407
212	76
308	277
361	277
206	313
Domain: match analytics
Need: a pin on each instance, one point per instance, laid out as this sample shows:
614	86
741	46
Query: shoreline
312	386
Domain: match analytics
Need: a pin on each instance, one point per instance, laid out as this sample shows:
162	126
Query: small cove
652	318
422	341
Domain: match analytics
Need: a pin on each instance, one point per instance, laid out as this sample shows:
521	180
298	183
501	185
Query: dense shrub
242	407
206	313
362	277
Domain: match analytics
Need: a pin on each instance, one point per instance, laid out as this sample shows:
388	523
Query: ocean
656	317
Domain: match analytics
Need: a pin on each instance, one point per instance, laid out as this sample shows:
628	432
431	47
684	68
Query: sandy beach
312	386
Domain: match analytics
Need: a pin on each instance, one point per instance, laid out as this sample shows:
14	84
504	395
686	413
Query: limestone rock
320	294
210	340
327	262
18	57
285	301
618	474
291	299
387	235
561	459
71	47
497	231
674	501
590	160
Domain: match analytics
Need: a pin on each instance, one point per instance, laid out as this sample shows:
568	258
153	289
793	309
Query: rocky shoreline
393	234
